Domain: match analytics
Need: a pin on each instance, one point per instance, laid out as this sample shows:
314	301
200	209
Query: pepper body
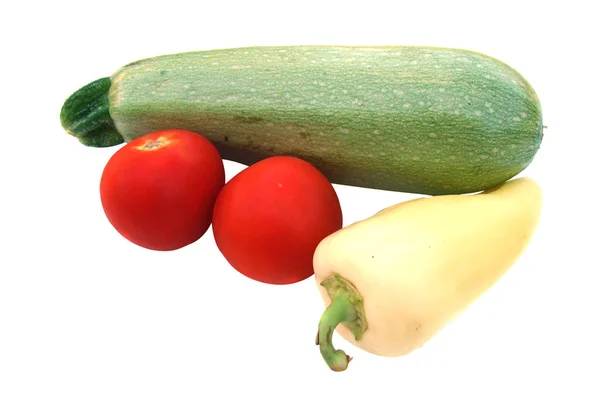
420	263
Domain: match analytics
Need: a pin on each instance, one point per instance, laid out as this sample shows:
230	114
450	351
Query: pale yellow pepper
398	277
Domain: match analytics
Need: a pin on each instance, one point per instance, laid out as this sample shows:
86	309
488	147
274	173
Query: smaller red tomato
158	191
270	217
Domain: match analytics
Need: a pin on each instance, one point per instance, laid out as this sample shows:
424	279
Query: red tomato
158	191
270	217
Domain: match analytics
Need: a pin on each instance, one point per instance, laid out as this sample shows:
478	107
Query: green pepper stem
340	310
346	308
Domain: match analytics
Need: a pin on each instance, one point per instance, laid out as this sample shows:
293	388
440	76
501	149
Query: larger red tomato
270	217
158	191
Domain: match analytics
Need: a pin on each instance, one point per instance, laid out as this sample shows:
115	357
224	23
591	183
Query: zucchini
404	118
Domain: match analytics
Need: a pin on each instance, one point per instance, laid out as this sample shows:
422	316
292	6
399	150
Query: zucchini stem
346	308
85	115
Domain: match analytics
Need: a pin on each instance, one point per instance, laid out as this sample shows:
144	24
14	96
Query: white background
86	315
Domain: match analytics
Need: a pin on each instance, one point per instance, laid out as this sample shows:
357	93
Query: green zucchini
404	118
